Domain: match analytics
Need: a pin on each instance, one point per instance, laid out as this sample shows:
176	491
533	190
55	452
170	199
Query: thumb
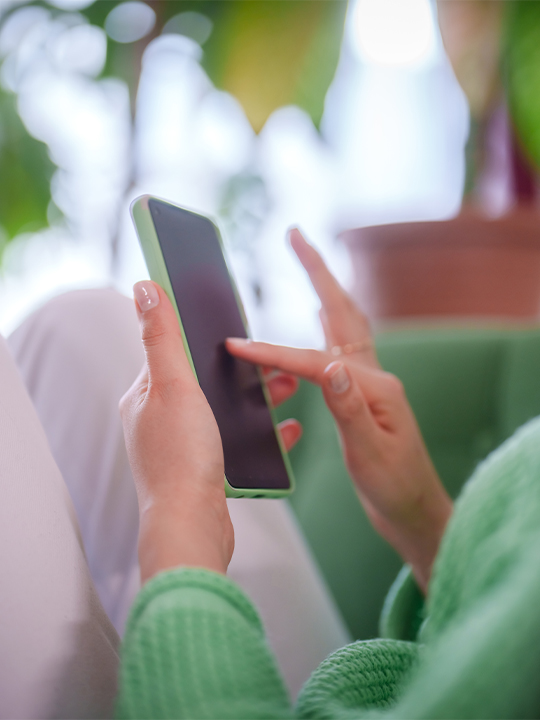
348	405
161	337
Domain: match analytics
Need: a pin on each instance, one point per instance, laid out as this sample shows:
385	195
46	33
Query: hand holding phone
185	257
174	450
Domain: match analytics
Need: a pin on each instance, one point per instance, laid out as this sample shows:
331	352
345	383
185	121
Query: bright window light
70	4
80	49
394	32
130	21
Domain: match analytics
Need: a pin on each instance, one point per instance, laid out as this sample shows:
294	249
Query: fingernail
146	295
290	231
339	379
238	342
296	230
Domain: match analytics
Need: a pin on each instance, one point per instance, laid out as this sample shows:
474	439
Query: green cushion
469	389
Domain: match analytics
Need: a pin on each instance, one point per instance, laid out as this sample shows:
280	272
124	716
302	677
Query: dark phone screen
210	313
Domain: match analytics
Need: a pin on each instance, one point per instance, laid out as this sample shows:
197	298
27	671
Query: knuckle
152	336
166	390
352	408
394	386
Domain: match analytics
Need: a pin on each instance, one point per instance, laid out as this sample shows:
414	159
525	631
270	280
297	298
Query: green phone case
155	262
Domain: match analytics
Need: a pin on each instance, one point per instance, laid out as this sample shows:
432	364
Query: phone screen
210	313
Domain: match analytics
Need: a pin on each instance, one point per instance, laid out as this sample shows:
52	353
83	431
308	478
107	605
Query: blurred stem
471	160
133	78
523	175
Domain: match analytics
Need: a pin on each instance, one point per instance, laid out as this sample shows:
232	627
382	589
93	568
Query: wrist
191	531
421	541
417	535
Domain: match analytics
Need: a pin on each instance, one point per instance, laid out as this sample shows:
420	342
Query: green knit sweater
195	647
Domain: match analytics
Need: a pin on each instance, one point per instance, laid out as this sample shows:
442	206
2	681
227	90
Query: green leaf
25	173
267	53
522	73
271	53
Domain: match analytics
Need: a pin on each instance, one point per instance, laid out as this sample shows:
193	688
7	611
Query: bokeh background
264	114
321	113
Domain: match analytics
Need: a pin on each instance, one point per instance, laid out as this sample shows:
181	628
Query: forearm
417	538
422	542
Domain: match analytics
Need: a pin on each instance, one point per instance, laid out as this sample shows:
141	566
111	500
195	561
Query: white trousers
65	590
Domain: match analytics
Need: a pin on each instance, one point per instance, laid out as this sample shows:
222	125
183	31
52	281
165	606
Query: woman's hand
174	448
383	449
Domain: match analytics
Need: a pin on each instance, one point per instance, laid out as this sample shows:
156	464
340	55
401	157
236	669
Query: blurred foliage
25	173
494	48
267	53
522	73
471	33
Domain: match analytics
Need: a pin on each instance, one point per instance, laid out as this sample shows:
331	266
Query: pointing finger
307	364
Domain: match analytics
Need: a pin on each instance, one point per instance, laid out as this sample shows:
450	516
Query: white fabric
58	650
78	355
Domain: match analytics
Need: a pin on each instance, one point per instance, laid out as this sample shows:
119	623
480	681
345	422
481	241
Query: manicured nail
238	342
339	378
146	295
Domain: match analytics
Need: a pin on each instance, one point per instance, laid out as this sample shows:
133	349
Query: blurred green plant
521	72
25	173
267	53
494	48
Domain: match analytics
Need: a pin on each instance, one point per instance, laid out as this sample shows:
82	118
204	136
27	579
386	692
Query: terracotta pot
468	266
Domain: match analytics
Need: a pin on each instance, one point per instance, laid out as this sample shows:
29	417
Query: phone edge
155	262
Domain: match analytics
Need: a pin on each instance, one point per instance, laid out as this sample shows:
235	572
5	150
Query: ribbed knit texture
194	646
365	674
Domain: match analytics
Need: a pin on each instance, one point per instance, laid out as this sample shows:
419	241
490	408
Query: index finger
307	364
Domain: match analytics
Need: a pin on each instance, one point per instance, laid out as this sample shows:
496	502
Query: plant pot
469	266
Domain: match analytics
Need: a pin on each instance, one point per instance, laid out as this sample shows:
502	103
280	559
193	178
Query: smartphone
185	255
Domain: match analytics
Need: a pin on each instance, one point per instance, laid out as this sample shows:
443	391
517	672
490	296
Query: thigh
78	355
58	648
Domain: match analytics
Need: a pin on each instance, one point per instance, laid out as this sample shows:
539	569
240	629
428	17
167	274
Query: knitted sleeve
486	662
357	680
404	607
194	648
